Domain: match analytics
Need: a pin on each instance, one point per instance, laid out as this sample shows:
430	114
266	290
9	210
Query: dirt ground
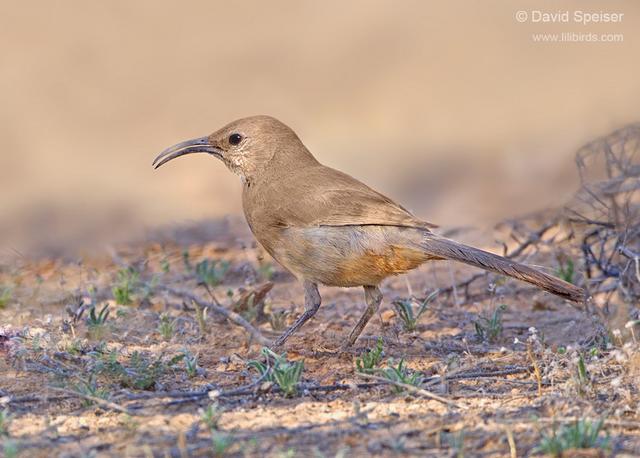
61	401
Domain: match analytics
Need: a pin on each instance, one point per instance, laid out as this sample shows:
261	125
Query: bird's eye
234	139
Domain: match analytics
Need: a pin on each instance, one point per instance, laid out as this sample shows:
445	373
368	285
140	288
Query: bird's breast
263	220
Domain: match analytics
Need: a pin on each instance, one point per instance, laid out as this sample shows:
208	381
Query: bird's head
247	146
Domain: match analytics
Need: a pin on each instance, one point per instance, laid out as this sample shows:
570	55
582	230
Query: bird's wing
327	197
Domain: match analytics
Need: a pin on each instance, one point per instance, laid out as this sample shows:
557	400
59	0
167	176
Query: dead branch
101	402
228	314
411	388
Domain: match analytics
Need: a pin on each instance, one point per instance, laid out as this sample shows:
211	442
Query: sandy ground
491	403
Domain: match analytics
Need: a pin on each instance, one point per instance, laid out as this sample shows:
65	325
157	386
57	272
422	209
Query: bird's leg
312	301
373	298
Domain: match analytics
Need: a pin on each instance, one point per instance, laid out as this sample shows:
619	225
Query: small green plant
6	293
211	415
73	346
139	371
581	378
288	453
566	270
370	359
409	316
165	265
143	372
106	362
400	374
201	318
220	443
490	329
186	260
583	434
277	369
210	272
96	322
5	422
287	377
166	328
583	375
263	369
10	449
127	281
90	388
190	363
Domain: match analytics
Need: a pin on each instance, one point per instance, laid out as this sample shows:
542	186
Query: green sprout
409	316
166	328
582	379
210	272
220	444
100	319
96	322
566	270
277	369
490	329
370	359
5	422
127	281
6	294
583	434
190	363
140	372
165	265
90	388
400	374
211	415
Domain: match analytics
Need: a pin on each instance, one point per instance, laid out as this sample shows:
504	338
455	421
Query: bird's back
321	196
326	226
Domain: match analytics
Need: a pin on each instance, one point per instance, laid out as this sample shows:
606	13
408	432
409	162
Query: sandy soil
492	403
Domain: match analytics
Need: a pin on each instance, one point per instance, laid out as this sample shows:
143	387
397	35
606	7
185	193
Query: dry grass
500	371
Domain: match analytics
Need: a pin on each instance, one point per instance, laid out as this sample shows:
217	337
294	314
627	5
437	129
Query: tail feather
449	249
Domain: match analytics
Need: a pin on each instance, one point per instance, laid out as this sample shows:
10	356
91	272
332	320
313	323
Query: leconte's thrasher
328	228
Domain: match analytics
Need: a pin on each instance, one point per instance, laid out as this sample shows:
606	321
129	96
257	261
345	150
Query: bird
328	228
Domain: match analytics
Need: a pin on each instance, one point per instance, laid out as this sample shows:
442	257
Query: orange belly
371	268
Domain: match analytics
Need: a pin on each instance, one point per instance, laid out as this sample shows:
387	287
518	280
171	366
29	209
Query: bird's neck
283	163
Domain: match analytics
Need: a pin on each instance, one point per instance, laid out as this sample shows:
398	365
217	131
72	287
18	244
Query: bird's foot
321	349
347	348
277	344
339	352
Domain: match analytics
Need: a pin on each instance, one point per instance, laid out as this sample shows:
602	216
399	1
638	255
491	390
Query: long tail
449	249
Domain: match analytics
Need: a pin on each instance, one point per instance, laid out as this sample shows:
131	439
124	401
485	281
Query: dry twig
411	388
102	402
228	314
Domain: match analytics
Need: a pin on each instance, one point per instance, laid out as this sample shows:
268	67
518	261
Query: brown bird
328	228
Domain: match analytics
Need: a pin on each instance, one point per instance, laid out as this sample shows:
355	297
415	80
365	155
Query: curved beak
197	145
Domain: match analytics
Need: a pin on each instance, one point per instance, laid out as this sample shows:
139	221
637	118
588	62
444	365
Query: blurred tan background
448	107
